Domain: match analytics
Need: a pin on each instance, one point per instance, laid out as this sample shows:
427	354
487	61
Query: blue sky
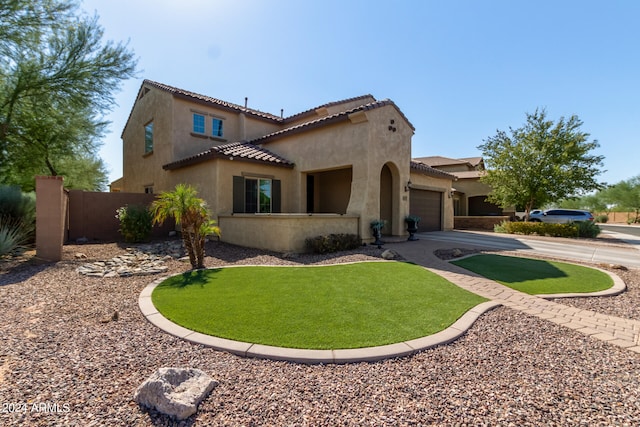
458	69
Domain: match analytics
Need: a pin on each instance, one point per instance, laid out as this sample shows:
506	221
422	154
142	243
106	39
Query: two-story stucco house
273	181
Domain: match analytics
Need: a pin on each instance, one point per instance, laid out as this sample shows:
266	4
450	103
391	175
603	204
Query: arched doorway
386	199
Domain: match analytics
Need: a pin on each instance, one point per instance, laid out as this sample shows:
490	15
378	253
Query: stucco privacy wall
92	215
363	143
282	232
51	203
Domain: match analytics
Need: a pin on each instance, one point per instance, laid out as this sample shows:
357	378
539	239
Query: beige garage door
428	206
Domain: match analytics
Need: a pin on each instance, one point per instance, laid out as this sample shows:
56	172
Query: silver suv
561	216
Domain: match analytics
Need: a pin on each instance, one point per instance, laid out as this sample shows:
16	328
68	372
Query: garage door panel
428	206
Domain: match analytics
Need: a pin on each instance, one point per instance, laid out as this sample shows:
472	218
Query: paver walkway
615	330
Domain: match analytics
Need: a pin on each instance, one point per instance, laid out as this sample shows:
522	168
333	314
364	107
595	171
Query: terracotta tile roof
212	101
242	151
435	161
312	111
475	161
468	174
323	121
428	170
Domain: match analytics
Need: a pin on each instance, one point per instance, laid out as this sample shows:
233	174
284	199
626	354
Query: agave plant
192	214
13	235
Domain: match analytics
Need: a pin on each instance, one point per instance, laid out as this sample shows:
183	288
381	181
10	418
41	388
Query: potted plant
412	226
376	227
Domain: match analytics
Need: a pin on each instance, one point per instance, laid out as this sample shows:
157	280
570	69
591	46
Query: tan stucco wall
472	187
365	144
173	139
284	232
214	181
140	170
442	185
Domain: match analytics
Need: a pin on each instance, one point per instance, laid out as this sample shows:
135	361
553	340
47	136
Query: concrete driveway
626	254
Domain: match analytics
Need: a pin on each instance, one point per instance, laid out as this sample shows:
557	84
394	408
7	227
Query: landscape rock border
142	260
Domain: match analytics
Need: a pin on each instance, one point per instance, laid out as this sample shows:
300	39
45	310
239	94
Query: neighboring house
469	194
272	181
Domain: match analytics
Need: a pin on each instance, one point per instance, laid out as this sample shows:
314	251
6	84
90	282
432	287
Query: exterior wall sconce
451	193
407	187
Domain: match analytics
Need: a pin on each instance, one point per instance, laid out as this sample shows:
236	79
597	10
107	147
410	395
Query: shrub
19	210
602	218
576	229
13	235
503	227
135	223
332	243
539	228
587	229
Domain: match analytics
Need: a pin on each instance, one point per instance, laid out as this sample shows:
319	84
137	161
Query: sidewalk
621	332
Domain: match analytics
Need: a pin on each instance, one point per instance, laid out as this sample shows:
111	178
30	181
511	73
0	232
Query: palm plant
193	216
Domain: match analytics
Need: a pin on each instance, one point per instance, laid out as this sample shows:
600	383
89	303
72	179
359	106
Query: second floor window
216	127
148	137
198	123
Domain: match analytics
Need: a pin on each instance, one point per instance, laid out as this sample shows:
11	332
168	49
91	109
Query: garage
428	206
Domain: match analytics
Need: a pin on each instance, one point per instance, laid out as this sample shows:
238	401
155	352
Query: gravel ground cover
74	348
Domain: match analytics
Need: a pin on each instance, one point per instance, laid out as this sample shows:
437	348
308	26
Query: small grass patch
537	277
321	307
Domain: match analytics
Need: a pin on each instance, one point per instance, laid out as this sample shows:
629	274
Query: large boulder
176	392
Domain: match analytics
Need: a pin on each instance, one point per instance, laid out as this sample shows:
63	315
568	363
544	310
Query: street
560	248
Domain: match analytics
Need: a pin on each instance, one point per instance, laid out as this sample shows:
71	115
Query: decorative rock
456	253
113	318
80	255
146	260
389	254
176	392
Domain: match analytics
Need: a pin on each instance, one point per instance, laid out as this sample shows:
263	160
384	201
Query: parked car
560	216
521	214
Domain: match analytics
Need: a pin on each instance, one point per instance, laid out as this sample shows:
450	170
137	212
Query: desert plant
13	235
412	218
603	219
192	214
135	223
19	210
587	229
503	227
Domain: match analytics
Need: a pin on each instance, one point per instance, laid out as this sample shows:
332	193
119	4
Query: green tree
591	202
625	195
57	80
192	214
540	162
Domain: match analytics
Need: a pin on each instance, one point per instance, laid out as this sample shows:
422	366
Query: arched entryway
390	204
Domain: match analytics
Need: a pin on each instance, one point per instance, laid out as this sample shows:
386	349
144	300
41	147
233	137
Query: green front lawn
536	277
320	307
